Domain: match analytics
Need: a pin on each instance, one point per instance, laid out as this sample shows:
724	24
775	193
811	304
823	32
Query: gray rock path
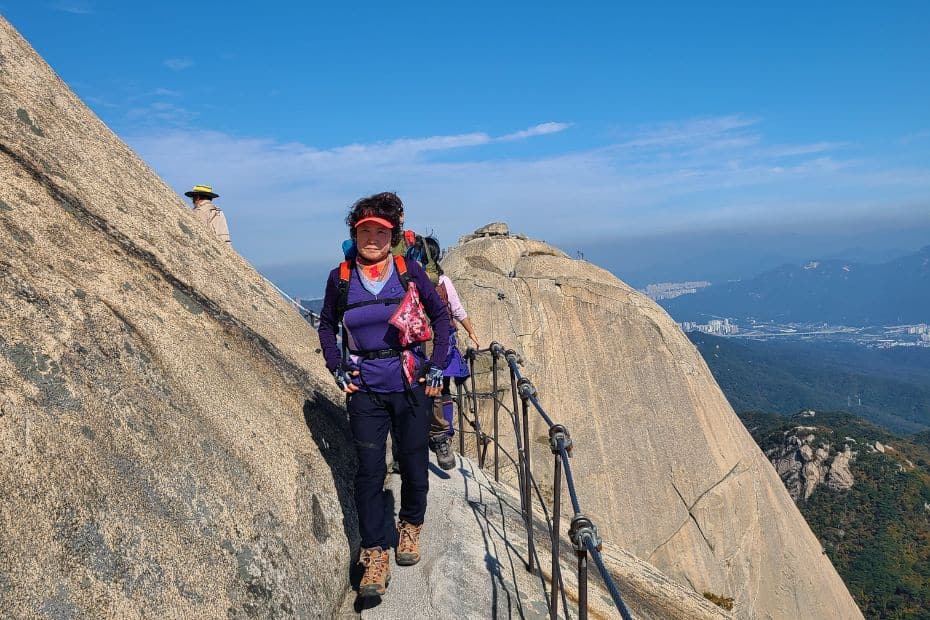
473	566
474	554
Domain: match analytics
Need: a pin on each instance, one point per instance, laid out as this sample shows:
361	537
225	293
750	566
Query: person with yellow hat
202	196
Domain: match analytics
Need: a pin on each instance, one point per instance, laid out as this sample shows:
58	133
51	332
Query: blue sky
579	124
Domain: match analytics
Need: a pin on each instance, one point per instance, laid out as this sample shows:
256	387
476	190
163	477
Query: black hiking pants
371	416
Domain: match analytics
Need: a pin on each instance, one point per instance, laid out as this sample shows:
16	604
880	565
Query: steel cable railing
586	532
582	531
309	315
556	575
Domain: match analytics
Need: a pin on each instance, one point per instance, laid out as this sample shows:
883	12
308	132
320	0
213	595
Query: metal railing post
583	584
527	488
479	444
527	390
517	433
558	439
555	570
473	404
460	399
497	408
581	531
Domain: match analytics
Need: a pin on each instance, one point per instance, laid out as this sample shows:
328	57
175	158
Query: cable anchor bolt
581	530
558	435
526	388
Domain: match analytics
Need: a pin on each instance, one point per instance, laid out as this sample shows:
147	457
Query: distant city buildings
715	327
875	336
671	290
921	331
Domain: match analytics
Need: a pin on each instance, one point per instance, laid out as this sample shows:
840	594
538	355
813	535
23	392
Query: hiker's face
373	241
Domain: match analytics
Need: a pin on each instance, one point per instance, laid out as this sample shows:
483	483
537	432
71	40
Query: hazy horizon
716	256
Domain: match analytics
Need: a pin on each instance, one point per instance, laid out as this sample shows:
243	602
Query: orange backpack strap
401	264
345	269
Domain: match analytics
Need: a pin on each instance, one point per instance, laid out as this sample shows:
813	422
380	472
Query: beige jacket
213	217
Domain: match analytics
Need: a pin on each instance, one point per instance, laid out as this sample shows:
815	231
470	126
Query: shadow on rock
330	431
438	472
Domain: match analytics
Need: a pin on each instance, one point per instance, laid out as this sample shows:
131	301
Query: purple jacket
369	329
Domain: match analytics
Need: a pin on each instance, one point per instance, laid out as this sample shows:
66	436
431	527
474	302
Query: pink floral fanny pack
413	326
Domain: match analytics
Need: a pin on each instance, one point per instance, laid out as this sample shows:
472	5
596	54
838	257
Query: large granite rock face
663	464
154	456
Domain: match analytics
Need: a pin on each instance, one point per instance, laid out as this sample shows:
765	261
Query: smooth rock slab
664	466
155	393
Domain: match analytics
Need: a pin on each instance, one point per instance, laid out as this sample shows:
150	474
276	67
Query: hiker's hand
343	377
474	338
433	381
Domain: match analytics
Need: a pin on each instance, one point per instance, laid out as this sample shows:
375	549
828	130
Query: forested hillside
890	387
877	533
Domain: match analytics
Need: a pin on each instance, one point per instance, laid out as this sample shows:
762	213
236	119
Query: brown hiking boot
377	563
408	544
444	455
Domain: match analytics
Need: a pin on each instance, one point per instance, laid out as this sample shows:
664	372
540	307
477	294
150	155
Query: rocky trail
474	563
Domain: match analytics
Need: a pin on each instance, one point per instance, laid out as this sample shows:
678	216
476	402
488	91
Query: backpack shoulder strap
400	263
345	274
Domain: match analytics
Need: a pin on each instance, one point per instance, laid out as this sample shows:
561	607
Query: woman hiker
389	382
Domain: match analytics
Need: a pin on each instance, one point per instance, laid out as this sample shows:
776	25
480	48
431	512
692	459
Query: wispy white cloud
178	64
542	129
286	201
414	146
793	150
691	131
75	7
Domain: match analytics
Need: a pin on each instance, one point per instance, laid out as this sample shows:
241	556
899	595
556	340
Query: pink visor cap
376	220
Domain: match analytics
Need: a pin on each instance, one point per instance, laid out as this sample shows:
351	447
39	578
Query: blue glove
434	377
343	376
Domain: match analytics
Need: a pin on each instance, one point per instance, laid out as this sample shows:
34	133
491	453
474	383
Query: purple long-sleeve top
368	328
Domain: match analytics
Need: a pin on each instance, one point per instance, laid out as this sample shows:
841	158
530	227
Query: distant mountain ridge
828	291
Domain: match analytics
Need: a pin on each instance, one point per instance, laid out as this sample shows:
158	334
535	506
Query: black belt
381	354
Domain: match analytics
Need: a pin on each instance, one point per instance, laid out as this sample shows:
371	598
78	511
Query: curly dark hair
386	205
